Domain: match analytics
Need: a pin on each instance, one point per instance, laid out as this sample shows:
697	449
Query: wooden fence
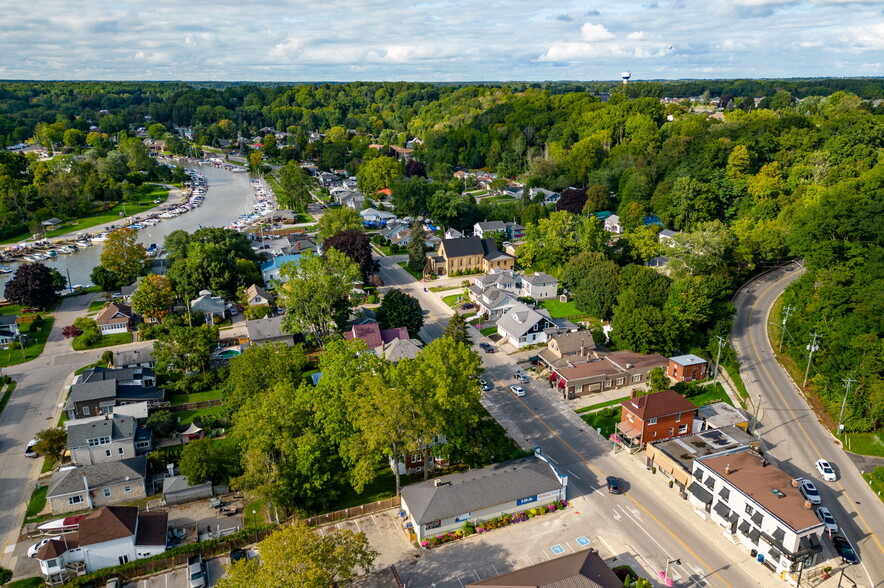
356	511
195	405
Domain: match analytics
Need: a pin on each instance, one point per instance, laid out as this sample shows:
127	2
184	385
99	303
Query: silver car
826	518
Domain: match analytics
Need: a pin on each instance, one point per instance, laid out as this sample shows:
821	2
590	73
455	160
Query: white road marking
549	457
573	474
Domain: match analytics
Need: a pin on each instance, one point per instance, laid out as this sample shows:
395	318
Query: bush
71	331
5	575
372	299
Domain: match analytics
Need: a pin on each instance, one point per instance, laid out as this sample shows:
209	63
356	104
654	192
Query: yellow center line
636	502
795	417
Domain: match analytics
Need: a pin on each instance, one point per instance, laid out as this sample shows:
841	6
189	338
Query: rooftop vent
777	493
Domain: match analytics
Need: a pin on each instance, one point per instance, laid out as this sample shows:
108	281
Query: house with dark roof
8	329
615	370
655	417
116	317
757	502
87	487
469	255
111	536
98	391
584	569
101	439
522	325
443	504
487	228
268	330
374	336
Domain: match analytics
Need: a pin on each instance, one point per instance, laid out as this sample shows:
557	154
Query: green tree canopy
377	174
399	309
154	297
336	220
124	255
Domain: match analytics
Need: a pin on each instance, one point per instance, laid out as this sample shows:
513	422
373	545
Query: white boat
99	238
62	525
5	269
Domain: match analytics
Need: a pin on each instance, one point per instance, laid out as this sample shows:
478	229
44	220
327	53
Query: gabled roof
584	569
659	404
373	336
100	374
539	279
92	391
114	313
133	356
520	319
401	349
568	343
98	476
8	319
467	246
208	304
254	291
269	327
630	359
478	489
117	427
108	524
491	226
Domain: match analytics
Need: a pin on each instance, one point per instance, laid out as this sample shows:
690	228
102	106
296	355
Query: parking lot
384	532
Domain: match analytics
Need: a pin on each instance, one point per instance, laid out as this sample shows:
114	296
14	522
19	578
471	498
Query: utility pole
847	383
811	348
755	417
787	312
721	342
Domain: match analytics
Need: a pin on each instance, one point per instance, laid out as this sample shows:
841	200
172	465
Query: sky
439	40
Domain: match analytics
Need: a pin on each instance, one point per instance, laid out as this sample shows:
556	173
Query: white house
522	326
612	224
377	217
108	537
446	503
539	286
115	318
8	329
756	502
485	228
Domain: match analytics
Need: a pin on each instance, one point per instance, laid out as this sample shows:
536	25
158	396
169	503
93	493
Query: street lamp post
255	519
664	576
852	583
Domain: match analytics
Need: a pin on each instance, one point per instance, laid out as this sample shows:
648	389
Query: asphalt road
791	432
644	515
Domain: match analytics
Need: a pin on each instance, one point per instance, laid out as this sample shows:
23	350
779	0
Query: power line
811	348
787	312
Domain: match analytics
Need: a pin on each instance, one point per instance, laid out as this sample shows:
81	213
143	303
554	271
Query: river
229	195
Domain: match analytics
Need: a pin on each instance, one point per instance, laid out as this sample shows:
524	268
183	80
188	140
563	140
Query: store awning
700	493
744	527
757	518
754	534
721	510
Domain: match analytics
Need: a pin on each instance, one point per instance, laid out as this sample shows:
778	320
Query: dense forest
787	169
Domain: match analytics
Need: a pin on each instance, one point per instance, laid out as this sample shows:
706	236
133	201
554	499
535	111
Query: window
75	499
637	378
98	441
121	450
630	417
123	559
107	452
85	410
416	457
434	524
107	409
671	431
578	388
724	494
749	509
620	381
682	429
107	492
127	488
608	383
652	421
678	418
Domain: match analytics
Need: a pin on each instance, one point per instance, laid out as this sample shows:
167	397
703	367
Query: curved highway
793	435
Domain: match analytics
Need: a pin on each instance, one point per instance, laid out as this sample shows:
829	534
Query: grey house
445	503
101	439
87	487
97	398
268	330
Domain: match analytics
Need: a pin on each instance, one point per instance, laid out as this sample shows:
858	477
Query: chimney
632	393
88	495
727	469
171	468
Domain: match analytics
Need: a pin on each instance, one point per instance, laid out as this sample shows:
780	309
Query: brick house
687	368
658	416
616	370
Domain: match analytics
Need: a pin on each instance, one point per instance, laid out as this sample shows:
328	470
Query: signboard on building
462	517
526	500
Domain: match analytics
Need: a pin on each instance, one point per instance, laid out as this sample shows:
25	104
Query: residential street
793	435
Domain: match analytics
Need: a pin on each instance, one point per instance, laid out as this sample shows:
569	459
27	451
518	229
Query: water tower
626	75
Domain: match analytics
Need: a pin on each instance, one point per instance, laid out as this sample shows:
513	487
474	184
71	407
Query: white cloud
636	35
286	48
593	33
870	38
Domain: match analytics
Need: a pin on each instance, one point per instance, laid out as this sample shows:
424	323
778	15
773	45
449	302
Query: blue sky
445	40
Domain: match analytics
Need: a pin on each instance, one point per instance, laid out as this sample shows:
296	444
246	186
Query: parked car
826	470
485	385
845	550
29	450
613	485
33	549
112	583
467	306
238	554
517	390
811	494
522	378
487	347
826	518
196	575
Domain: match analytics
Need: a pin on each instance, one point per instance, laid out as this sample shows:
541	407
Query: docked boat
5	269
62	525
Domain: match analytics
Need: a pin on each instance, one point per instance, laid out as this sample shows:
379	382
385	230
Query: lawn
876	481
566	310
86	367
27	583
101	217
383	486
416	275
606	419
709	395
37	502
14	356
7	394
105	341
445	288
96	305
456	299
865	444
195	397
595	407
188	416
488	331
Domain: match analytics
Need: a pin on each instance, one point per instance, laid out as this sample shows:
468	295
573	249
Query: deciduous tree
336	220
52	442
399	309
377	174
207	460
124	255
260	367
154	297
294	187
34	285
185	349
296	555
355	245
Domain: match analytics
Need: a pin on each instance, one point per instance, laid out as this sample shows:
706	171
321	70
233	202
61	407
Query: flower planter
485	526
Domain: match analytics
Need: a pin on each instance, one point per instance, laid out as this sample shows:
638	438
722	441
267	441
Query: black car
845	550
238	554
487	347
613	485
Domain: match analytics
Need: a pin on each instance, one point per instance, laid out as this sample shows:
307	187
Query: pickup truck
196	576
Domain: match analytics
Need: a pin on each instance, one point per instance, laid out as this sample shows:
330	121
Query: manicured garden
103	341
469	528
416	275
37	502
488	331
195	397
595	407
456	299
186	417
566	310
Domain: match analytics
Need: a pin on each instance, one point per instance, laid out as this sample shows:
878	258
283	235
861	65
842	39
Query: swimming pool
228	353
